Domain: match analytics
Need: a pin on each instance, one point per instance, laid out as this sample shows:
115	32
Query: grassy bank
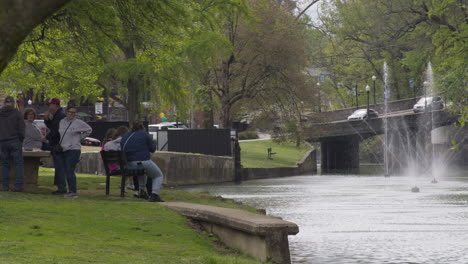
254	154
42	228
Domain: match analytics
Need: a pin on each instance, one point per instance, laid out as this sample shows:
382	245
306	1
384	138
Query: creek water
364	218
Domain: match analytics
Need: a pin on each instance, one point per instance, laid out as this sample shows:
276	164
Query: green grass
94	228
254	154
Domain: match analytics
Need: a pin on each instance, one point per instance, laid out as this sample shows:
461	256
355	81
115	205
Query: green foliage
140	50
56	65
360	35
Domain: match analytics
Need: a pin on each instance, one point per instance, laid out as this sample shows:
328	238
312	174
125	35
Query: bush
248	135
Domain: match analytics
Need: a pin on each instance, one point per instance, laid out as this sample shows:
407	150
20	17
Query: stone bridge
339	139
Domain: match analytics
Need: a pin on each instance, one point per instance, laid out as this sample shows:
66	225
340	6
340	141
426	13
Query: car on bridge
432	102
361	114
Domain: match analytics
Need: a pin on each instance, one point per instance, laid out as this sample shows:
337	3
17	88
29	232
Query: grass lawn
94	228
254	154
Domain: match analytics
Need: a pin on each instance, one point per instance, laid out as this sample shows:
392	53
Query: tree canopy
233	57
18	19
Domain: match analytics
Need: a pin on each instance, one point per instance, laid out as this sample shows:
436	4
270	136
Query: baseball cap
55	101
9	99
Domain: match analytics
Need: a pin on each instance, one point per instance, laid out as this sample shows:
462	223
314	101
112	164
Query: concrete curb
262	237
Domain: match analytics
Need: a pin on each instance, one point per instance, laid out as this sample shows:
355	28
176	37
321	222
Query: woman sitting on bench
138	146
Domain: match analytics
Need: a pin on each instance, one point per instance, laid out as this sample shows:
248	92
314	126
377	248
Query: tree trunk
18	19
225	115
133	104
208	116
225	102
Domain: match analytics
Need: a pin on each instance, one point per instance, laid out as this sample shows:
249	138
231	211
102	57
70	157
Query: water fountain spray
386	98
429	88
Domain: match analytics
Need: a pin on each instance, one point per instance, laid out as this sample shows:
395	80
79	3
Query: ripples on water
364	219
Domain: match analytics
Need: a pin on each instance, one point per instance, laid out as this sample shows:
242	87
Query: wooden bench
118	157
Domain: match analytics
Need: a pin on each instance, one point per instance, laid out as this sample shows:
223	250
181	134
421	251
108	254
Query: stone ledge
248	222
260	236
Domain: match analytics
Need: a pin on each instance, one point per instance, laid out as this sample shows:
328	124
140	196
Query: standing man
52	119
11	143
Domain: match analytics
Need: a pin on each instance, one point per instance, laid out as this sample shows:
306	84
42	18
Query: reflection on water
364	219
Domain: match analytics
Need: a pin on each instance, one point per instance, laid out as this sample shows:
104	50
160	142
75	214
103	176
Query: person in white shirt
72	131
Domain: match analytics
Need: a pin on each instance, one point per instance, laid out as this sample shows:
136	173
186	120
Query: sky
312	11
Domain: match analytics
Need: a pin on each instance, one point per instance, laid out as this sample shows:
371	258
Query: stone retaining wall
260	236
178	168
190	168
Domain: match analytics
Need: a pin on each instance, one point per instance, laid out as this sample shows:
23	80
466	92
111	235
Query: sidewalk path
261	136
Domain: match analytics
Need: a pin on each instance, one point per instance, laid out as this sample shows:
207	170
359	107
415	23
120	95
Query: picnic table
32	161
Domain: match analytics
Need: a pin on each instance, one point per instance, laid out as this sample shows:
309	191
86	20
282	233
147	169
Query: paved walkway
261	136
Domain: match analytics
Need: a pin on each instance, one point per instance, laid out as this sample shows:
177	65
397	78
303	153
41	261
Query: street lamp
319	103
29	102
425	99
367	92
373	82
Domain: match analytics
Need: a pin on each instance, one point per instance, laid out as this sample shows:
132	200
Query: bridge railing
342	114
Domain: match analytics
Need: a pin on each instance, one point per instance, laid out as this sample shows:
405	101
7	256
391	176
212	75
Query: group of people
18	131
63	139
65	135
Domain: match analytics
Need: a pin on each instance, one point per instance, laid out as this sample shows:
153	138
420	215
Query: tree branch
305	9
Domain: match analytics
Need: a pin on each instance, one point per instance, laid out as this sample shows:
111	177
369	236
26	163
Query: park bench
270	153
119	158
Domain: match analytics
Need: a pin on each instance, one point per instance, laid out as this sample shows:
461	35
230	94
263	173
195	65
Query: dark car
89	141
361	114
432	102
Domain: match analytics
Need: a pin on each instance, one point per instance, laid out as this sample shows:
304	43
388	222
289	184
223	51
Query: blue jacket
139	145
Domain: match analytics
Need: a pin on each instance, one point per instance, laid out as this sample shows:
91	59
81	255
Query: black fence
216	142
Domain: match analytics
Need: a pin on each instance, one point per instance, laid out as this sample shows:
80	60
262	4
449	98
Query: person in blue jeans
72	131
138	146
11	143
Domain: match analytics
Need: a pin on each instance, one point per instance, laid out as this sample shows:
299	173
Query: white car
154	128
433	103
178	125
361	114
